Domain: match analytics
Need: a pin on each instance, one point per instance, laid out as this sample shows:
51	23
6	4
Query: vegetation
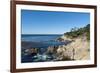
76	32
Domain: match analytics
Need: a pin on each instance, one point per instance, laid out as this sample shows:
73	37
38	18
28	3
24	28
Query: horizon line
42	34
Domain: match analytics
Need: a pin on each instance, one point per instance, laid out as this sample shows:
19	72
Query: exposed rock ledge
78	49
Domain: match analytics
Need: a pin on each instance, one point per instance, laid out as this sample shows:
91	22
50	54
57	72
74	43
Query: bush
75	32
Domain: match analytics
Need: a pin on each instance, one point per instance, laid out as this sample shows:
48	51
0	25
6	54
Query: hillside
77	32
79	48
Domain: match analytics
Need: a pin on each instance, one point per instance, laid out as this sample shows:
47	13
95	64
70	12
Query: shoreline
76	49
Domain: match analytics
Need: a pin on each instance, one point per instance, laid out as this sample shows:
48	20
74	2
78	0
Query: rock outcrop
31	51
64	38
78	49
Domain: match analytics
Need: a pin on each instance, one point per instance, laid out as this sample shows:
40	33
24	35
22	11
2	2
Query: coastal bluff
78	49
79	46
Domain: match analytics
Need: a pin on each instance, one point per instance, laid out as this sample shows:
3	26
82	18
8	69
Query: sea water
42	42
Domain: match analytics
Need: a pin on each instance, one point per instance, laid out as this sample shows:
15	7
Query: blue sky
51	22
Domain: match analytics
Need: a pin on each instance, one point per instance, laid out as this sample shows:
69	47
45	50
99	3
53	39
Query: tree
75	32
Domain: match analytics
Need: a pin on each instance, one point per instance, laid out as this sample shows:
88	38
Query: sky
51	22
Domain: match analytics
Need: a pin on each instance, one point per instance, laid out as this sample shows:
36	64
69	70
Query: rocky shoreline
78	49
75	49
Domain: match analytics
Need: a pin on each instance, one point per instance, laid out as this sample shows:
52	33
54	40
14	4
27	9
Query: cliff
78	49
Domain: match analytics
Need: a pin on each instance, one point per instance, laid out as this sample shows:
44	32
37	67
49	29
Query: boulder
31	51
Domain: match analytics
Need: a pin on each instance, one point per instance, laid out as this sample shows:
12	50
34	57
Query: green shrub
76	32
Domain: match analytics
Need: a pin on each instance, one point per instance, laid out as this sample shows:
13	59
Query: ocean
39	37
42	42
